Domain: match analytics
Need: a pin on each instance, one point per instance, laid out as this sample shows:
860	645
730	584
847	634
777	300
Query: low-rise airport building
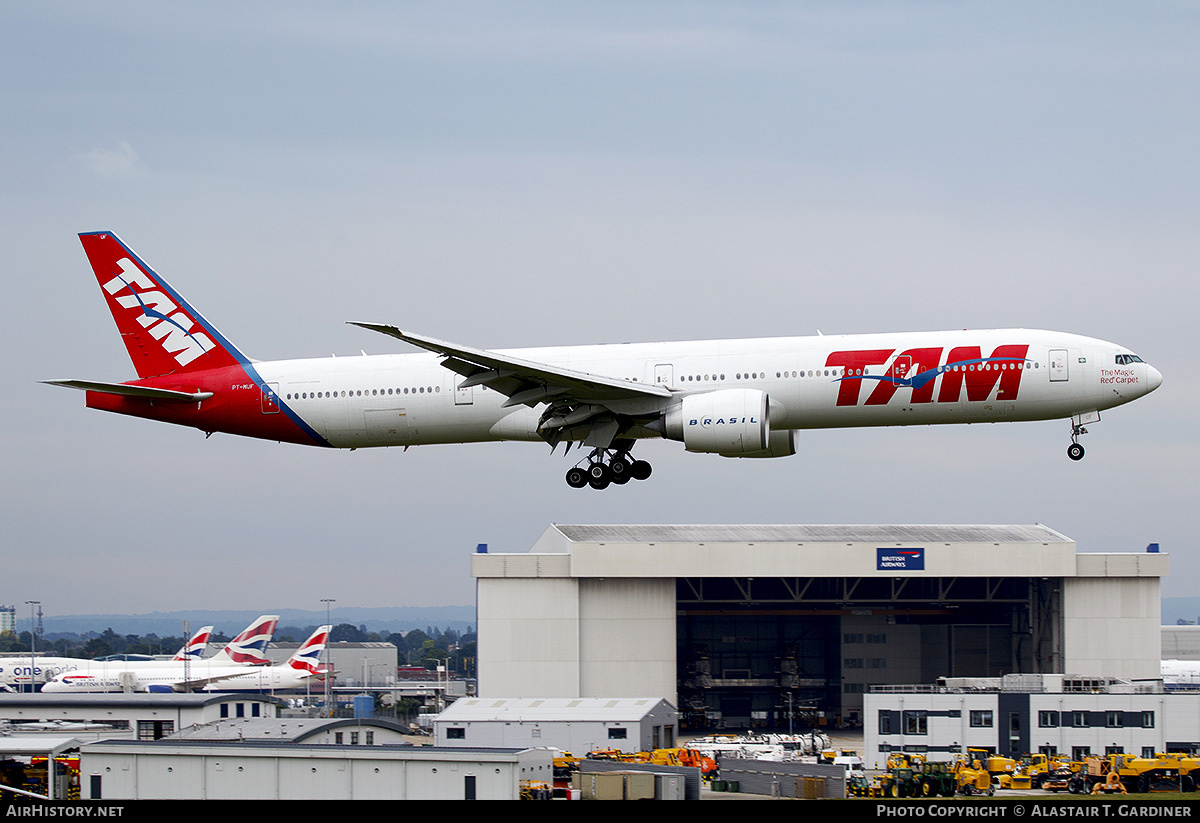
259	770
579	725
134	716
1019	714
741	625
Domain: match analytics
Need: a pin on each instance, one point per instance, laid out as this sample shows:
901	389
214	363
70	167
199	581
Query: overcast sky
550	173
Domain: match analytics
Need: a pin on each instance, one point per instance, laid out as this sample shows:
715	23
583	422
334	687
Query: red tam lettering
966	364
854	362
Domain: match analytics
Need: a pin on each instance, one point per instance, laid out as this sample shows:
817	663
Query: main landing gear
606	466
1075	451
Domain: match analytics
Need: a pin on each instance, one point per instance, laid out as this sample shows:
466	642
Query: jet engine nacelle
732	422
782	443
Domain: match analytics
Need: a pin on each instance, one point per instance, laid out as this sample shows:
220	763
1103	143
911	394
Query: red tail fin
163	334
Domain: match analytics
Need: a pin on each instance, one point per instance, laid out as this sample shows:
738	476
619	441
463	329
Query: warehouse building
137	716
571	724
753	626
246	770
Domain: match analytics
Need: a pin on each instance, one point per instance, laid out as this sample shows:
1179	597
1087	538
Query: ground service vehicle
937	780
970	776
903	775
1137	774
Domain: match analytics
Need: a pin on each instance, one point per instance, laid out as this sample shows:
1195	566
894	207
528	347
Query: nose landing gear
1075	451
604	467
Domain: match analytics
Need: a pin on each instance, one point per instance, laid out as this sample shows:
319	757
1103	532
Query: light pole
325	653
32	642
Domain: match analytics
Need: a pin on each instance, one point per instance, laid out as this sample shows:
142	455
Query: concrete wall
627	638
1112	626
529	637
556	637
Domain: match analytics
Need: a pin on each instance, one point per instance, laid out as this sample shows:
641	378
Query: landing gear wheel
1075	451
640	470
577	478
599	482
620	468
597	472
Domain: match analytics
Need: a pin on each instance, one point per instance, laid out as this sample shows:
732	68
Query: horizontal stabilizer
133	391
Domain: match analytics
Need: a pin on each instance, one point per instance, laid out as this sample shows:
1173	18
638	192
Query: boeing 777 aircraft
734	398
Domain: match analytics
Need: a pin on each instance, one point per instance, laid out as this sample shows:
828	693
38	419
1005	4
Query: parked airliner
735	398
301	668
28	671
1181	674
247	649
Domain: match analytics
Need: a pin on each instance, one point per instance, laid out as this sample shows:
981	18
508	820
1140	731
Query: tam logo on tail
161	331
163	320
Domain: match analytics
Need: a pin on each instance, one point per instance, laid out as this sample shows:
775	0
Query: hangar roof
808	533
549	709
811	551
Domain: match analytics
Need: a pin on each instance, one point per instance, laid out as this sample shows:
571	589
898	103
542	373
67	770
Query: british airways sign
900	560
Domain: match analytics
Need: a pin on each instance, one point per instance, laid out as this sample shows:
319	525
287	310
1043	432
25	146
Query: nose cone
1153	377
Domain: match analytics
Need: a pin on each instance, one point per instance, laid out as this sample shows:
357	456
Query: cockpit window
1126	359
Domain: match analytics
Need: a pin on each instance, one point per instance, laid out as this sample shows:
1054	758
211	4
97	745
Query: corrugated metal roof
694	533
277	728
578	709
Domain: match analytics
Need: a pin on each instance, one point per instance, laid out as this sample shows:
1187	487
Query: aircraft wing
491	369
196	683
577	399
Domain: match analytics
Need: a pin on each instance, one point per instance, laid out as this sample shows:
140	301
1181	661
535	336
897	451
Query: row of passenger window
316	395
690	378
840	372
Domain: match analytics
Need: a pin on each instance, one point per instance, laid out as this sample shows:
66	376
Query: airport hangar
734	624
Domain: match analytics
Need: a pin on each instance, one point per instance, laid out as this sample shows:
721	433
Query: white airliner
21	672
735	398
1181	674
247	649
301	668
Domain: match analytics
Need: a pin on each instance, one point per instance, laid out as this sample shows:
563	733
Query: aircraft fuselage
832	381
735	398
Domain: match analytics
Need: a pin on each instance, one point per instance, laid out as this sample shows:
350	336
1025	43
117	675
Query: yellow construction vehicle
903	777
1188	767
1033	771
536	790
998	766
1161	773
970	776
859	786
